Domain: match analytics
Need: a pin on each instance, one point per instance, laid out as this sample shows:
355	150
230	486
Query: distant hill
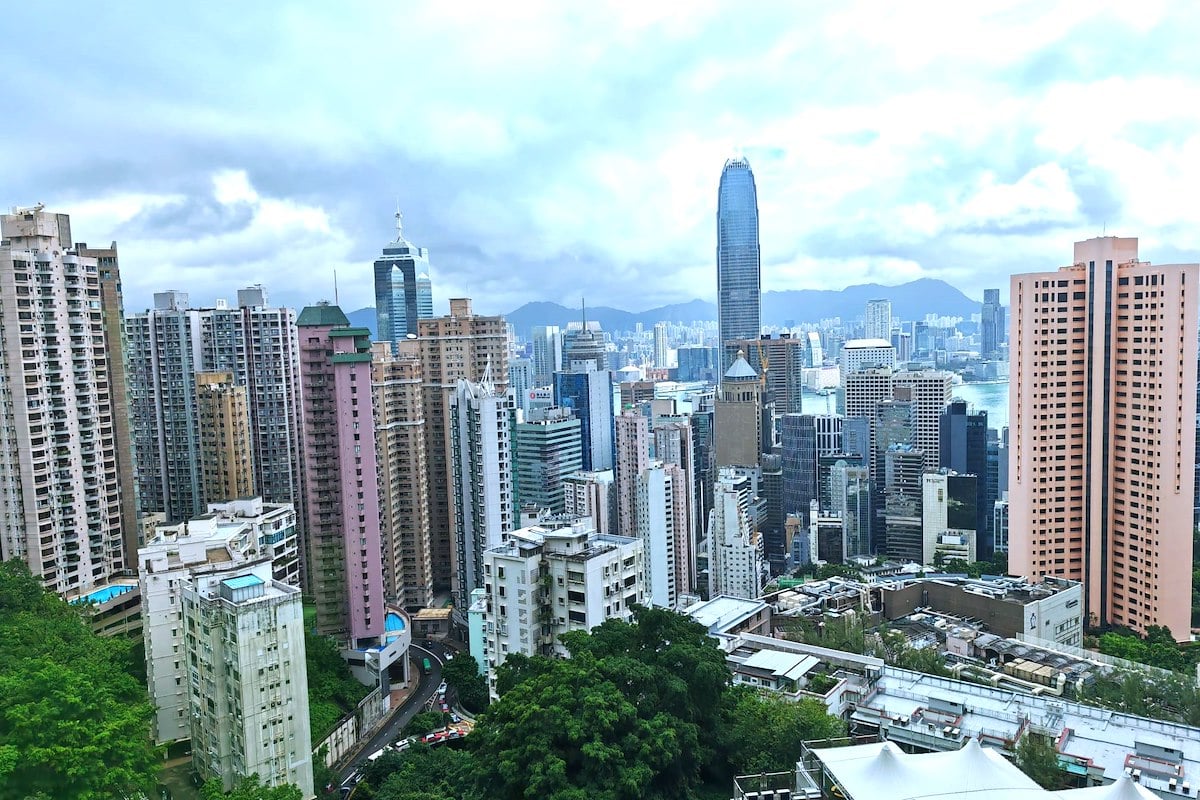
911	300
363	318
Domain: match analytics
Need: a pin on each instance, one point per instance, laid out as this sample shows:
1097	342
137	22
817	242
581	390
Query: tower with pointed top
583	342
403	290
739	279
738	416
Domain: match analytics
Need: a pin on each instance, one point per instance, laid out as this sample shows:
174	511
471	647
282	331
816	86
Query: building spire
583	301
488	384
399	222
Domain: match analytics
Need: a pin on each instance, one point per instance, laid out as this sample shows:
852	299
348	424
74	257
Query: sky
551	150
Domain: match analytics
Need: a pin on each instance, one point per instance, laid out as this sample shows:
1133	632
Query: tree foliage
332	690
641	710
421	773
1157	649
249	789
462	674
1037	758
74	723
425	722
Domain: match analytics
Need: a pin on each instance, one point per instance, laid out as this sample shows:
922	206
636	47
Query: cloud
549	151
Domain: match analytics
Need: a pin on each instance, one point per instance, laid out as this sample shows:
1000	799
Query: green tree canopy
249	789
462	673
1037	758
74	723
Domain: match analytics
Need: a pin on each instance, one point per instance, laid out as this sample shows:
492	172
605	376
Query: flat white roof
723	612
791	666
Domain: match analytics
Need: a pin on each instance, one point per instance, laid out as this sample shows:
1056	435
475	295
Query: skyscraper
166	346
588	393
547	447
661	348
459	346
735	557
633	456
399	300
739	280
964	449
547	353
930	392
738	416
481	478
782	360
1103	418
878	320
60	493
226	459
583	342
345	572
991	324
399	407
113	308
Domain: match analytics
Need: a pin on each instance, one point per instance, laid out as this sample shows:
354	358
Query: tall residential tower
1102	442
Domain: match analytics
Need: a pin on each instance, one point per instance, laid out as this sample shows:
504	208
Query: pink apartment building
1102	403
343	547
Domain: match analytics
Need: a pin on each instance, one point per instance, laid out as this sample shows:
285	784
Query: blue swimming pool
393	625
104	595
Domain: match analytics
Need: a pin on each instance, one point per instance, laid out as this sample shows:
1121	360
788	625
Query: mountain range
912	300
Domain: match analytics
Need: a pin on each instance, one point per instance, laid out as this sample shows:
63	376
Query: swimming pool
105	594
393	625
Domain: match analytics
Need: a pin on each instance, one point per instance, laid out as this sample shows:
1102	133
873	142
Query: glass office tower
738	262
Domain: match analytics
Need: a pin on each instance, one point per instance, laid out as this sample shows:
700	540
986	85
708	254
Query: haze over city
544	151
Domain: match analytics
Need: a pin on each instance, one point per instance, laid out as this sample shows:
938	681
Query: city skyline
202	188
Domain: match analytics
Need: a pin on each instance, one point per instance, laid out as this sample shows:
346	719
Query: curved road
427	686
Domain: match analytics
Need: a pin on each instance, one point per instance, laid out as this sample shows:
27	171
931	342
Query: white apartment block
481	472
656	528
231	536
735	550
592	494
559	576
60	499
246	678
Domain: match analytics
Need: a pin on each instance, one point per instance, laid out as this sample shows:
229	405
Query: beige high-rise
396	383
113	308
60	496
226	459
1102	447
460	346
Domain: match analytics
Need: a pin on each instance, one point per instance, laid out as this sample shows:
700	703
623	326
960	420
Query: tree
74	723
1038	759
764	733
249	789
462	673
425	722
421	773
332	691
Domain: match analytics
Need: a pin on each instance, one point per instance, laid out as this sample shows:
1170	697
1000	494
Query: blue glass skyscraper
403	292
588	392
739	285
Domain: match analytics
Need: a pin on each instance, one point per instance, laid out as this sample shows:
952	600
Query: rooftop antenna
335	291
583	302
399	222
488	384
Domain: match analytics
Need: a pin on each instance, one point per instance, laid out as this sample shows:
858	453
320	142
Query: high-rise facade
246	633
903	524
948	517
547	353
169	344
735	556
547	447
660	528
584	343
878	320
633	456
226	458
588	393
964	449
460	346
341	475
482	485
661	346
781	360
60	485
402	288
930	391
739	266
593	495
991	324
1102	451
696	363
397	385
113	307
738	416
